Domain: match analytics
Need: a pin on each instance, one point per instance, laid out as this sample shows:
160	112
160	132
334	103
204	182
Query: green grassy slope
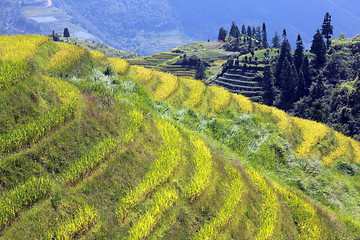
96	46
98	156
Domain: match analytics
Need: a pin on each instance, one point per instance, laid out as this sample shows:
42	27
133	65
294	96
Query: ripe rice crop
246	106
15	54
11	203
343	144
91	160
168	85
356	148
137	120
312	132
20	47
160	171
212	228
196	93
37	128
162	201
34	130
120	65
73	228
269	206
67	93
303	214
97	55
220	98
203	166
285	120
64	59
141	74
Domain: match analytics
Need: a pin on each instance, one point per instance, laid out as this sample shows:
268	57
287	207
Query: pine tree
276	41
284	34
243	29
200	70
305	69
289	81
253	31
301	90
268	87
66	32
222	34
258	34
234	31
264	36
327	29
285	54
249	32
319	49
299	53
250	47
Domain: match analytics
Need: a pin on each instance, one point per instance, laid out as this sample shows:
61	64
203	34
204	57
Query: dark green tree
66	32
248	31
253	31
327	29
276	41
299	53
284	33
222	34
200	70
285	54
319	49
258	34
268	87
234	31
250	46
243	29
264	36
305	69
301	90
289	80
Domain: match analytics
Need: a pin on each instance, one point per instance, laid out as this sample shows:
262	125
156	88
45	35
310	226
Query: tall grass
160	171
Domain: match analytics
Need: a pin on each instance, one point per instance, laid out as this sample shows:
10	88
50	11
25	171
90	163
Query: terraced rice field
124	165
242	82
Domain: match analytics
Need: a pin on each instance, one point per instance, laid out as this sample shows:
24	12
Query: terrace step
237	87
238	82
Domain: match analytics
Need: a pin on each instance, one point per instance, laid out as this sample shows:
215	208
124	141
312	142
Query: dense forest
320	84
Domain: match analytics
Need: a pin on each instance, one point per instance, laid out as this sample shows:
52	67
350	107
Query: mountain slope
94	155
160	25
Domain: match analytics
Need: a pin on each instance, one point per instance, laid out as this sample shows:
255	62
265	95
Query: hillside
95	148
159	25
100	47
